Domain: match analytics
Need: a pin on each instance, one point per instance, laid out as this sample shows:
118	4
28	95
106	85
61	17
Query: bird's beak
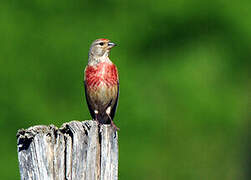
111	44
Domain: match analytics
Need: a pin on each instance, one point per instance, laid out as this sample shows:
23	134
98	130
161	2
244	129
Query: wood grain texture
76	151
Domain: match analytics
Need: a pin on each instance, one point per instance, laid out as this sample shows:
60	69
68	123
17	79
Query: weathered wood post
76	151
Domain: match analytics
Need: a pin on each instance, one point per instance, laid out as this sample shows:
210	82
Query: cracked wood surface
76	151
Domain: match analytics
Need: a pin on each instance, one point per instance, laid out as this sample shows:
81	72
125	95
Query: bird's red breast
103	73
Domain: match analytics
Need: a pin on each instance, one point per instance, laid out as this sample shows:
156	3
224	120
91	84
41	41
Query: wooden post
76	151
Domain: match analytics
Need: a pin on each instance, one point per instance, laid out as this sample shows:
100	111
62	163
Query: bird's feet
112	123
96	119
114	126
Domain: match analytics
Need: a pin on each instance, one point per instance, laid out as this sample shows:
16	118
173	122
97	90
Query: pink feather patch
104	72
103	39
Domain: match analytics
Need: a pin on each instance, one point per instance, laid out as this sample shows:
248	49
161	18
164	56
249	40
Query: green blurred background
184	80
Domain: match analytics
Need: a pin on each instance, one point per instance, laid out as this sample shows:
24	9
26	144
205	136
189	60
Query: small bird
101	82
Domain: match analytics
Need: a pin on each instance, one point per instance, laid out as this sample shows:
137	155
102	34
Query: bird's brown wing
113	110
88	102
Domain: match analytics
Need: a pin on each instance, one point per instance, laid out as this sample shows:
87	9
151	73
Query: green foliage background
184	80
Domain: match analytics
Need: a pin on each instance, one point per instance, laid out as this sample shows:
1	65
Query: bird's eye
101	44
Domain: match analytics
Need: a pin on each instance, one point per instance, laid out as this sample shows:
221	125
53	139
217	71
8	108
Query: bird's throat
95	60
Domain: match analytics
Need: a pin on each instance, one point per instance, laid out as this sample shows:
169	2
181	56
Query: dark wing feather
113	110
88	102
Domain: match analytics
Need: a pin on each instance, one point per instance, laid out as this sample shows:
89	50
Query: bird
101	82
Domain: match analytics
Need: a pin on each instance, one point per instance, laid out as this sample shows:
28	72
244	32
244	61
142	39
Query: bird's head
101	48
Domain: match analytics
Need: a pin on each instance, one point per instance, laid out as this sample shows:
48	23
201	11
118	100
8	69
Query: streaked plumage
101	82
